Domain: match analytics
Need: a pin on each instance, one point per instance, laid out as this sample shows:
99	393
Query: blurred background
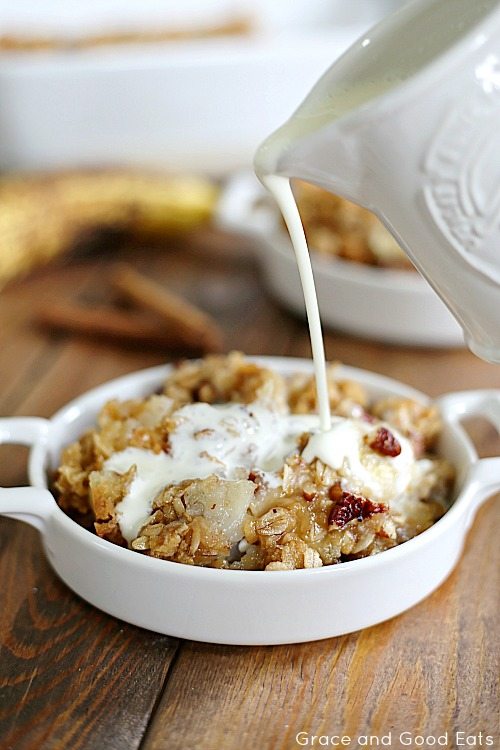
193	85
128	128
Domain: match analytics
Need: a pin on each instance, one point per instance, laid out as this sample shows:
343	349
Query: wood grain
430	671
72	677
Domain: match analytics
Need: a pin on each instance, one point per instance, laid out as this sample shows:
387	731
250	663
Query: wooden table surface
73	677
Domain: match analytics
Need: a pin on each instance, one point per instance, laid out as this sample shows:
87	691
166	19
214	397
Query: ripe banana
44	216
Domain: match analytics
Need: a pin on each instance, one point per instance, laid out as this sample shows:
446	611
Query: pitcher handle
30	504
484	477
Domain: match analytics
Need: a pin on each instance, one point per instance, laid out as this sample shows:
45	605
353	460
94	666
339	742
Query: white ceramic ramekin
248	607
391	305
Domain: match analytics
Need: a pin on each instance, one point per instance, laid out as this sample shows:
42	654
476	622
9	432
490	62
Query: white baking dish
248	607
394	306
196	105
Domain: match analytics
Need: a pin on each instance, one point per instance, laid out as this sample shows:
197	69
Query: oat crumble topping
241	508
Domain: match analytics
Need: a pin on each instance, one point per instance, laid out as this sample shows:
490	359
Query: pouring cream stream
281	190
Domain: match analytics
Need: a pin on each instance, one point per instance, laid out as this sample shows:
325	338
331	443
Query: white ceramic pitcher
407	123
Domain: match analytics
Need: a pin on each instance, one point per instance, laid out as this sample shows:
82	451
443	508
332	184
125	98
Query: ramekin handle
484	477
30	504
244	207
481	403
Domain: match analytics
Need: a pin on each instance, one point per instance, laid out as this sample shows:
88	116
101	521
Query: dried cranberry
350	507
385	443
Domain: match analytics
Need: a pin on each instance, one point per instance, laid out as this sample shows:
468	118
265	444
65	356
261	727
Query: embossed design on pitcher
462	168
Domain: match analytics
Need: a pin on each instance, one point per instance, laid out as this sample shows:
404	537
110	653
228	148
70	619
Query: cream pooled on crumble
232	440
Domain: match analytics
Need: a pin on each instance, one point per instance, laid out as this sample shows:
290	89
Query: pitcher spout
324	156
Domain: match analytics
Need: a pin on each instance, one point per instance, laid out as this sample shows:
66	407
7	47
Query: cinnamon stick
115	325
194	328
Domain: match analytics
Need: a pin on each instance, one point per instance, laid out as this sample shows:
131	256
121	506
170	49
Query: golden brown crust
25	43
180	529
419	422
336	227
106	490
347	398
226	378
